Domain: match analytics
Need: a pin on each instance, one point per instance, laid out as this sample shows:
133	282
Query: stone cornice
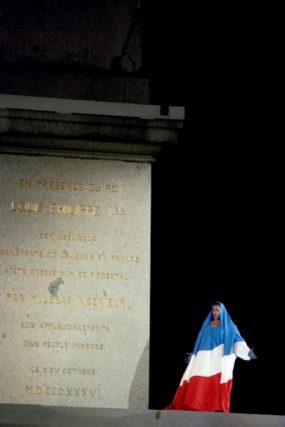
86	128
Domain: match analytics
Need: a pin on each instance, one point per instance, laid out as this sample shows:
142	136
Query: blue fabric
210	337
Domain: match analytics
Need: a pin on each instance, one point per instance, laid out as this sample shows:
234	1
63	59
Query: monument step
55	416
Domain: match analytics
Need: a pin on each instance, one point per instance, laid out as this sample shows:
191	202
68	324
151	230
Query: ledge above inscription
53	126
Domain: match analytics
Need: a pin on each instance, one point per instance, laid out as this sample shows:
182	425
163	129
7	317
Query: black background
216	197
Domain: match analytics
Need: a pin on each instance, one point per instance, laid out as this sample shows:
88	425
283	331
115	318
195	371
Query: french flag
207	381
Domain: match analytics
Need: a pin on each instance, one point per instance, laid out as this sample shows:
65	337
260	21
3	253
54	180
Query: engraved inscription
36	207
50	370
65	326
40	272
52	185
68	255
63	391
67	236
64	345
94	301
74	274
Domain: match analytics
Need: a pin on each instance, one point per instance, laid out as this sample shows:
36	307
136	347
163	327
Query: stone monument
75	250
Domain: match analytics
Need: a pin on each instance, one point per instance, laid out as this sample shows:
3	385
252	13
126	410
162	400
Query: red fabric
203	394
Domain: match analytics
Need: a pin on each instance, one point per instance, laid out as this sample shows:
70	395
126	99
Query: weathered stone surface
83	127
75	272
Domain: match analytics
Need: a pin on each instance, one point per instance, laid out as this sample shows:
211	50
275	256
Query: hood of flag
229	334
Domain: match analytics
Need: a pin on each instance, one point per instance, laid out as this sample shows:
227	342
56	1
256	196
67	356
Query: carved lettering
112	188
66	209
53	185
50	370
67	236
72	327
95	187
25	183
59	185
68	392
101	302
13	297
21	252
68	255
31	207
55	344
36	298
116	210
108	188
31	343
28	325
64	345
87	346
38	272
95	301
125	258
108	276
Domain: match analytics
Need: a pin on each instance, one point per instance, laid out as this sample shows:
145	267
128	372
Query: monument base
34	415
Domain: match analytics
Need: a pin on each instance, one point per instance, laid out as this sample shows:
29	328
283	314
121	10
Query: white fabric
211	362
241	350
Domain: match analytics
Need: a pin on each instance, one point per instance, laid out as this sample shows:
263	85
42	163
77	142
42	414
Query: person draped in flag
207	381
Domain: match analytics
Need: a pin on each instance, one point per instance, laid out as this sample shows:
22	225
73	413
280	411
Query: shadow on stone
138	397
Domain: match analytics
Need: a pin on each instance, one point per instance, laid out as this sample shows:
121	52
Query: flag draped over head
207	381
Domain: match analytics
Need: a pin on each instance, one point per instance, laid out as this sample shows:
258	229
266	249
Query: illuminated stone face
74	283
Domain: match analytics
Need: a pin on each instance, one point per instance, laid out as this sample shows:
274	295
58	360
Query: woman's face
216	312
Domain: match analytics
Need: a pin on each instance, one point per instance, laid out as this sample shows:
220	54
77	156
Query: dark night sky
216	198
